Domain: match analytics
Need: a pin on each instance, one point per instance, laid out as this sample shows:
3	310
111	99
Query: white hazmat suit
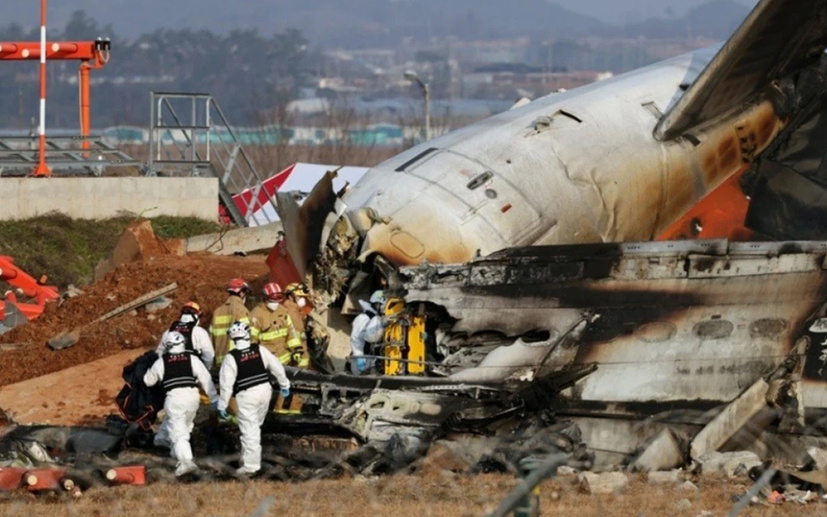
253	402
202	346
181	405
367	329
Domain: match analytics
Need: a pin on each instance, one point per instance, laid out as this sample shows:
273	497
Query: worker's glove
222	414
361	364
296	357
285	392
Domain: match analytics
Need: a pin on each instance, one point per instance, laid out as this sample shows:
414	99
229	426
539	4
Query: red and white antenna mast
42	169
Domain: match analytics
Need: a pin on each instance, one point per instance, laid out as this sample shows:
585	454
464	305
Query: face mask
272	305
302	302
187	318
241	343
177	349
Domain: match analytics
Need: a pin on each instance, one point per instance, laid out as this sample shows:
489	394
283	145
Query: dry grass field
434	494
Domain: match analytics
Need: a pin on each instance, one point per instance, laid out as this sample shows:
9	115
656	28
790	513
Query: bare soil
67	397
200	277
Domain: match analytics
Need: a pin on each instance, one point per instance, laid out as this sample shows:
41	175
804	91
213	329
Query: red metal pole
85	123
42	169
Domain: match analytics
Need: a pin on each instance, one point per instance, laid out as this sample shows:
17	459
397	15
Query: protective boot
184	468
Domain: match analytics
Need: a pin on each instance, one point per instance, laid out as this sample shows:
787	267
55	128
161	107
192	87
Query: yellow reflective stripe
294	343
304	363
221	324
285	358
273	334
254	332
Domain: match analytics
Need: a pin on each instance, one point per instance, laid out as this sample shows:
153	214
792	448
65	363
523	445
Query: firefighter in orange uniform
296	303
273	328
232	310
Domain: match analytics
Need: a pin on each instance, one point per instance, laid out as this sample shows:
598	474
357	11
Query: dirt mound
200	277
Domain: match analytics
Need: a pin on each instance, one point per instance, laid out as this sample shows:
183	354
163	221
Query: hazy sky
622	11
26	12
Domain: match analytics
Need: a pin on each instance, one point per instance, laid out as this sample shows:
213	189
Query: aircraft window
480	180
415	159
713	329
767	327
656	332
536	336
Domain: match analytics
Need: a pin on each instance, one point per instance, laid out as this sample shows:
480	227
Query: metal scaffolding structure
66	155
189	135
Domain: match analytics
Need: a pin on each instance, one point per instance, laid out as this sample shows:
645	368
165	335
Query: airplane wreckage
628	272
536	256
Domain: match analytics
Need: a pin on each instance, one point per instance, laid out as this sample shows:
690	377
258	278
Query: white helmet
174	340
377	300
239	330
378	297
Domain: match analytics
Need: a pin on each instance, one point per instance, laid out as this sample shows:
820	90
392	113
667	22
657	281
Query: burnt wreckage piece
397	418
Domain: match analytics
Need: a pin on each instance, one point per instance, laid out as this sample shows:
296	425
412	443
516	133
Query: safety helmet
296	289
174	339
272	291
237	286
191	308
239	330
393	306
377	298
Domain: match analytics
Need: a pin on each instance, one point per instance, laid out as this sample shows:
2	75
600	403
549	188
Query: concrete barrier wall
238	240
100	198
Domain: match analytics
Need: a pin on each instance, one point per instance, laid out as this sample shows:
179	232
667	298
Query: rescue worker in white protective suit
180	373
245	375
198	342
367	331
198	338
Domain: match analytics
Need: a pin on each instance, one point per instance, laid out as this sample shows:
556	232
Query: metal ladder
190	136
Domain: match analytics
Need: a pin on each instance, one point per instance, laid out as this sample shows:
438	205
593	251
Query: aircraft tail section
778	38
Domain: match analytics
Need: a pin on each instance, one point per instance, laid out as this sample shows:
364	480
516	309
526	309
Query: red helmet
272	291
191	308
237	286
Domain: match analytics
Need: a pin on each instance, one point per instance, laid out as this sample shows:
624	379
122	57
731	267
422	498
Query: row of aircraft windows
662	331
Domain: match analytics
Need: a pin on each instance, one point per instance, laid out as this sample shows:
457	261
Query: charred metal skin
673	324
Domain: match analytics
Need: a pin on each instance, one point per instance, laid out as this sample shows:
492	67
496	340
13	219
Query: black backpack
138	403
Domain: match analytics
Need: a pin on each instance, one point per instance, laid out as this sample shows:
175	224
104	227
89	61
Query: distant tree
82	27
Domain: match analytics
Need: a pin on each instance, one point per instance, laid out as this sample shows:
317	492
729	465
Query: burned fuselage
668	325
